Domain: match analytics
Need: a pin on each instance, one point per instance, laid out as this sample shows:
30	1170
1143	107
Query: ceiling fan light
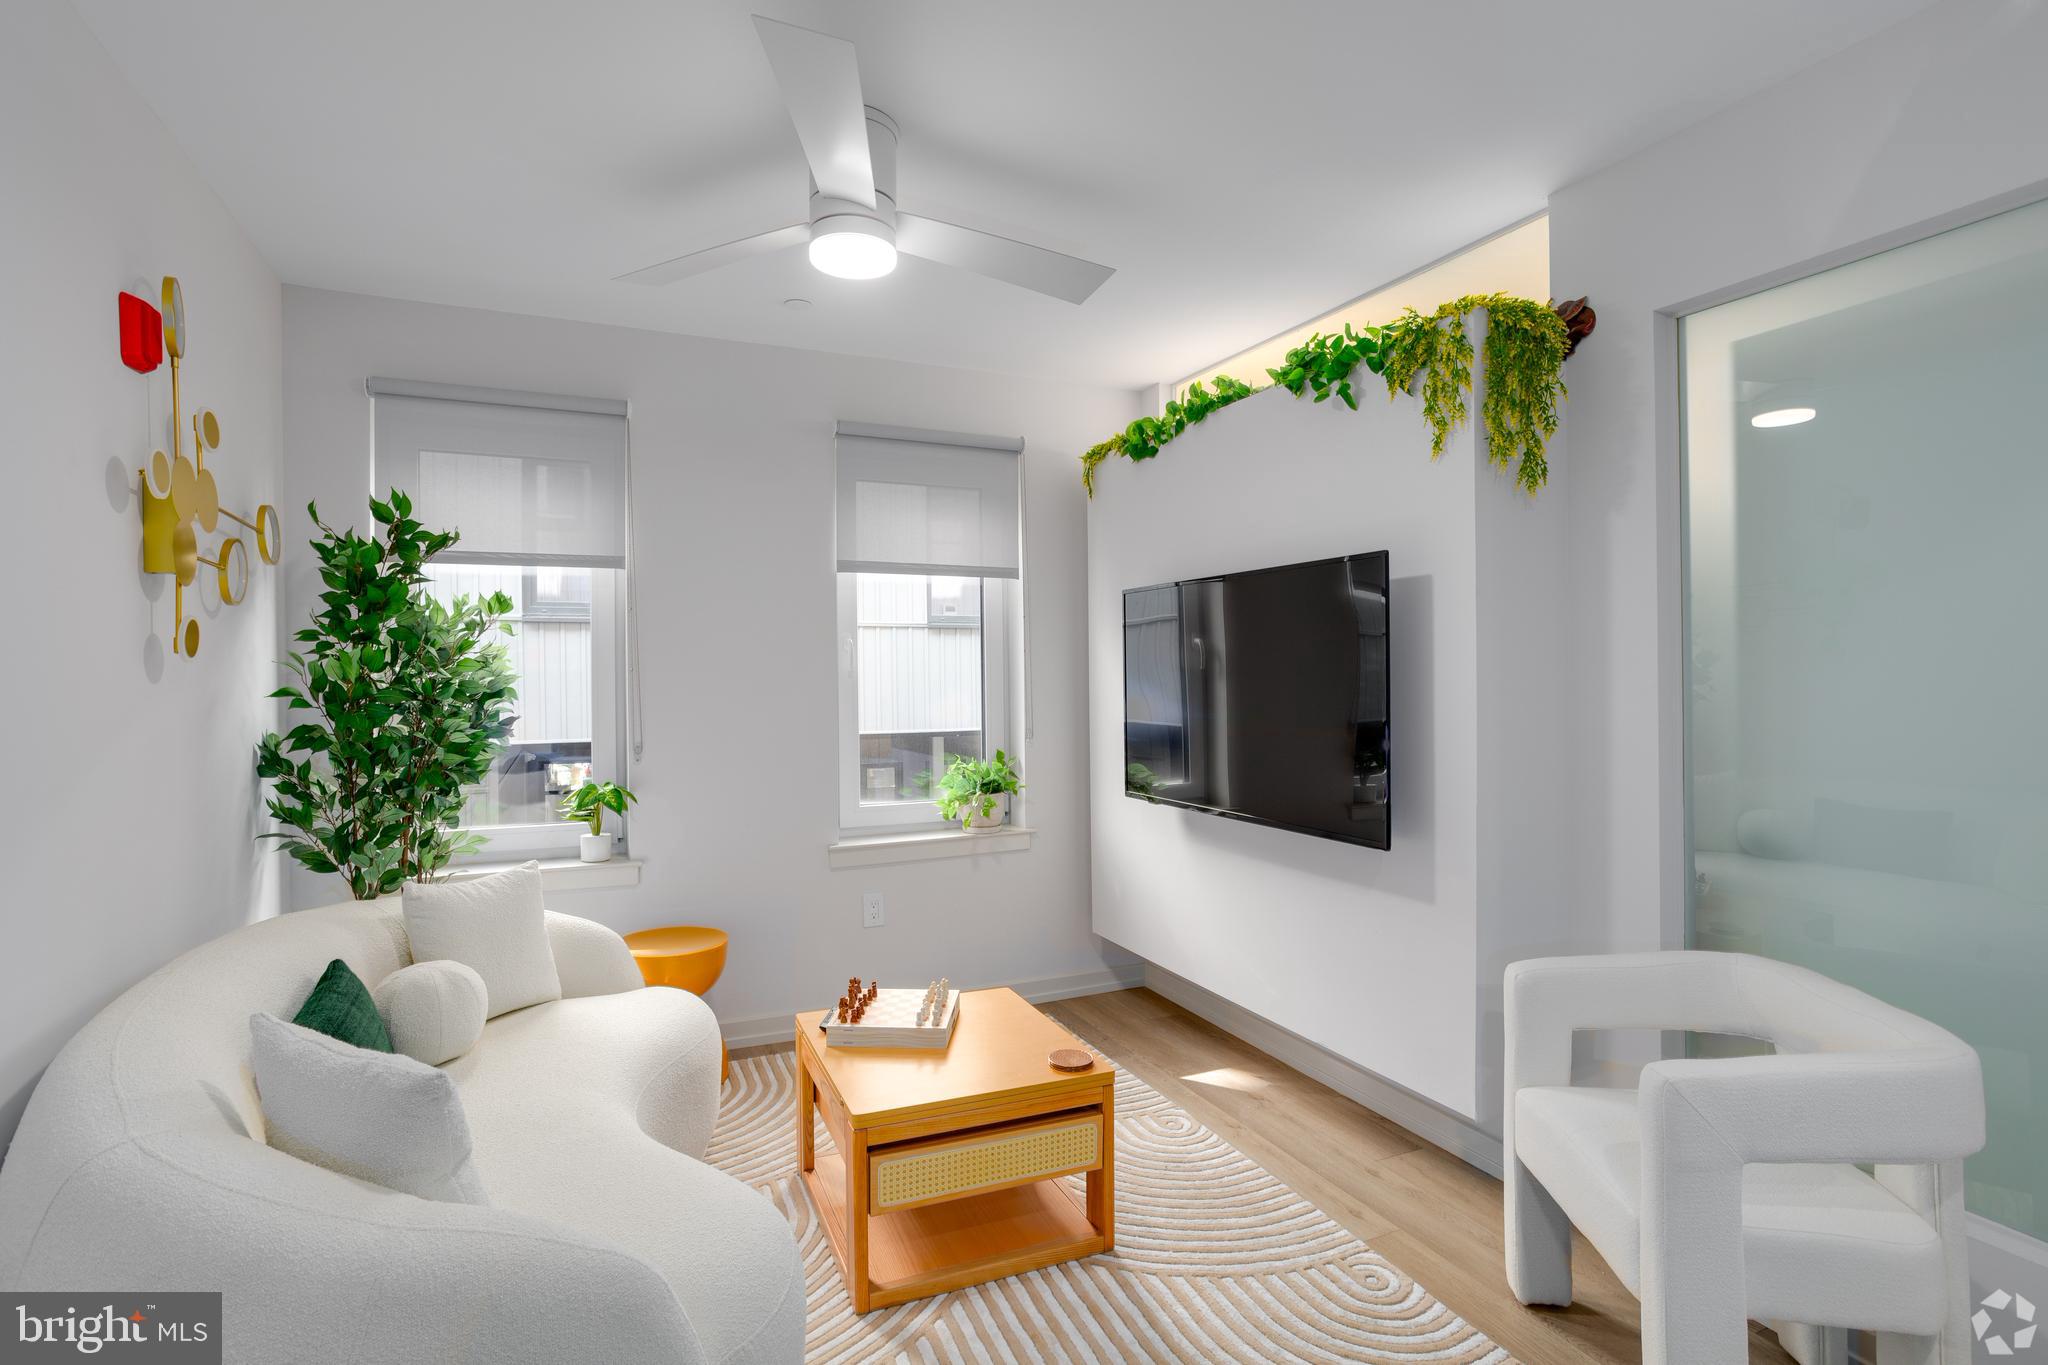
852	248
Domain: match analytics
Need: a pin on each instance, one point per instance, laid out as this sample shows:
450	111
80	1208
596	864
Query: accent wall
146	846
1389	959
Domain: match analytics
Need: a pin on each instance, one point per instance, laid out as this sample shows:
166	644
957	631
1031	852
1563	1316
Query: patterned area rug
1215	1261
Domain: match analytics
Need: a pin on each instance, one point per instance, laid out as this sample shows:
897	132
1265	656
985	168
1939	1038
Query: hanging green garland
1526	346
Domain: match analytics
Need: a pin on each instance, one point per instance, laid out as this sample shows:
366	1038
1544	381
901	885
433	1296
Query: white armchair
1729	1189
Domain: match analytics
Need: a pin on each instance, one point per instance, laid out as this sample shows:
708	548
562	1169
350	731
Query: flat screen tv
1262	696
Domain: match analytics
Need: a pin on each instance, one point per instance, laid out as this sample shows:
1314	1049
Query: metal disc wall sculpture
180	499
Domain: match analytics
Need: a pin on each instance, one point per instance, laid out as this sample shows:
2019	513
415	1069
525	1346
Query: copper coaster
1070	1059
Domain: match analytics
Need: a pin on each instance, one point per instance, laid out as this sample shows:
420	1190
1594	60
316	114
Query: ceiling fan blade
697	262
999	258
820	83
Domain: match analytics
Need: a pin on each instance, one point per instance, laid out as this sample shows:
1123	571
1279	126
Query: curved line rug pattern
1216	1260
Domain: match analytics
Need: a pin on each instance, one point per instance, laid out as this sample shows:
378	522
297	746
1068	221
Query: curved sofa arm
315	1266
591	959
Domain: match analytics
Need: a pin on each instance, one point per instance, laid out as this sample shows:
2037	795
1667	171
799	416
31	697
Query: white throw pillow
434	1011
495	924
377	1116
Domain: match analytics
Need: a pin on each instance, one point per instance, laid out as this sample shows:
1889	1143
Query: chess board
891	1021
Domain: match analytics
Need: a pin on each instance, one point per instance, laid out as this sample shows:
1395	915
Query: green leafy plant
1323	364
1094	455
591	800
1526	344
970	786
1525	349
1140	780
1142	438
411	700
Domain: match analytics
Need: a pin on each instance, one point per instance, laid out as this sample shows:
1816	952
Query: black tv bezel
1123	729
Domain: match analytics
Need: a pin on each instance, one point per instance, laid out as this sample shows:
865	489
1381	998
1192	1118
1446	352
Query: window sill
871	850
560	874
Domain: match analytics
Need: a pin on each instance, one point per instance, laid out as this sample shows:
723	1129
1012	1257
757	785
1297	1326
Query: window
928	543
537	492
564	647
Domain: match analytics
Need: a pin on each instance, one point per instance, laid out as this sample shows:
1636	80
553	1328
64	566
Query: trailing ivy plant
1324	364
411	700
1142	438
1525	346
1526	343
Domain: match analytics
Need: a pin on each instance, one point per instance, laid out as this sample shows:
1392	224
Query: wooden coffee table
948	1162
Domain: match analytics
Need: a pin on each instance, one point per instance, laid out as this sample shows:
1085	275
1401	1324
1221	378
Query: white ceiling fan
855	229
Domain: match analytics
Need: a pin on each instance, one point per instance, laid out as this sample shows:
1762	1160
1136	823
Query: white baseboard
1454	1133
2000	1258
774	1028
2019	1246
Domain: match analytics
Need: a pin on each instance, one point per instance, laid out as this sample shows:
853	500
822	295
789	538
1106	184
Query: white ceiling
1243	166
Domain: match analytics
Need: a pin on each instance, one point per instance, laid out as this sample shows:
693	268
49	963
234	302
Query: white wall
1378	956
133	798
1925	124
733	485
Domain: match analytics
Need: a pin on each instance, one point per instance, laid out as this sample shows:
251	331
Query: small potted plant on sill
974	790
589	802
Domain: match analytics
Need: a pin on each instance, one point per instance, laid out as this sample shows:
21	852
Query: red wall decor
142	335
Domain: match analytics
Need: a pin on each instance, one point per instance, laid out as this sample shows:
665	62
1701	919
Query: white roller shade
927	502
526	478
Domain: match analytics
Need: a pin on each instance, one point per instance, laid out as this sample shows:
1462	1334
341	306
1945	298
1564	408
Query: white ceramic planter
976	820
596	848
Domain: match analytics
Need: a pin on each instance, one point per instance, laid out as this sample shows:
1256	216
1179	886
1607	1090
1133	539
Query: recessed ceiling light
1783	417
798	304
852	247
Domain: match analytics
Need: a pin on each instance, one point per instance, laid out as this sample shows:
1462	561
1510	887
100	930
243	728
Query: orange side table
686	956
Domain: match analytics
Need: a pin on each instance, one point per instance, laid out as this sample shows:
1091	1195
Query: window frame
1000	625
558	838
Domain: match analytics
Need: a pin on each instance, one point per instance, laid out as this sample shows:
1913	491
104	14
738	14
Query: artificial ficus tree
411	699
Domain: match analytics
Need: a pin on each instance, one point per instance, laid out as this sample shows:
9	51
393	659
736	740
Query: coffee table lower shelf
932	1249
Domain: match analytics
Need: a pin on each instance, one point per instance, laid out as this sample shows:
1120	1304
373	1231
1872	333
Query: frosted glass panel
1867	561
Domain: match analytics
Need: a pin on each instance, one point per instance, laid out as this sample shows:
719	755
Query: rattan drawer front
989	1159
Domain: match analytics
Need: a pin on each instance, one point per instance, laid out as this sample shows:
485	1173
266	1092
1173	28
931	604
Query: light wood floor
1423	1209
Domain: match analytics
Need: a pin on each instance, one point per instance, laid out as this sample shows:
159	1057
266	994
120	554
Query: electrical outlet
871	910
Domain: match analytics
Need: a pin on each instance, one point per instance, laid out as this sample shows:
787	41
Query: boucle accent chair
140	1164
1727	1189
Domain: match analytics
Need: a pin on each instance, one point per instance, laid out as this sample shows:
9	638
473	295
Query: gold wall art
180	497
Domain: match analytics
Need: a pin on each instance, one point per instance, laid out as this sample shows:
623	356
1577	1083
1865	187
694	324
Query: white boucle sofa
140	1165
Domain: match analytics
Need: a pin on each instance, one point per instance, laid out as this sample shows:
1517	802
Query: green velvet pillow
340	1007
